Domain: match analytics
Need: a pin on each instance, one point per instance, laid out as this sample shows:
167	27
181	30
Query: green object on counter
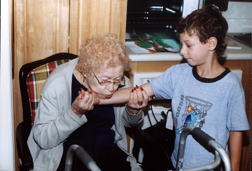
143	43
161	41
167	43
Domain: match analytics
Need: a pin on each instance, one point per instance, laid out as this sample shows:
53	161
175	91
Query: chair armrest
22	133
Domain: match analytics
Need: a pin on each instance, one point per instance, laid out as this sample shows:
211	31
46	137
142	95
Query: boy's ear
212	41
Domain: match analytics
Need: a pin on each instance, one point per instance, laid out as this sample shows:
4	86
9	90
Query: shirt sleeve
237	118
162	85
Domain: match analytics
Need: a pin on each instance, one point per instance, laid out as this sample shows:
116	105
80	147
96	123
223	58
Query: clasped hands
86	100
137	100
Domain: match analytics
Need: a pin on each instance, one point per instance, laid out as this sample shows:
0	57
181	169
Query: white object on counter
244	53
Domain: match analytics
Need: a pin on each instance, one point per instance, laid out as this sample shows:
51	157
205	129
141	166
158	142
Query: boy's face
195	52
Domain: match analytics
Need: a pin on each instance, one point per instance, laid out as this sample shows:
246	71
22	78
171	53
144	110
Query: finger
131	94
89	101
79	92
131	98
81	95
145	97
86	97
135	94
140	97
90	90
92	98
97	100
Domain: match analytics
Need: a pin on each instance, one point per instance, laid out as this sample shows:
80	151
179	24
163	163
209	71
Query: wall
239	15
6	116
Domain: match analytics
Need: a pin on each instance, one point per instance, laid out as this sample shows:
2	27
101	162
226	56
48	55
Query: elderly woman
67	113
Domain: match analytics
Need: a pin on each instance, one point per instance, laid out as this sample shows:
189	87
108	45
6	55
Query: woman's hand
137	100
84	102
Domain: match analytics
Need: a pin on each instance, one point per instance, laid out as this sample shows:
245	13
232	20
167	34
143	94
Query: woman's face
105	81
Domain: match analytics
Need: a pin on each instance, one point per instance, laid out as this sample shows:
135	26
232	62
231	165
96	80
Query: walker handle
201	136
206	141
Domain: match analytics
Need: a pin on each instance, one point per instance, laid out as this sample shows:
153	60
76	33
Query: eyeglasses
107	82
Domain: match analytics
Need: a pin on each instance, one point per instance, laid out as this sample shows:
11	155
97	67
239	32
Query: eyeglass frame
106	82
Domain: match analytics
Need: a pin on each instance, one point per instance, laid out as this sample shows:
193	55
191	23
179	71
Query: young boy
204	93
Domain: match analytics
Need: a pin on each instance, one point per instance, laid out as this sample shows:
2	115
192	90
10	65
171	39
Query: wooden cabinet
244	65
45	27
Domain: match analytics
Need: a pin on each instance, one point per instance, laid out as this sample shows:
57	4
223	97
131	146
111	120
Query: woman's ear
212	41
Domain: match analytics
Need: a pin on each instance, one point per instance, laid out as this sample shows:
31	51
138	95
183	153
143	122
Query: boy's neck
211	70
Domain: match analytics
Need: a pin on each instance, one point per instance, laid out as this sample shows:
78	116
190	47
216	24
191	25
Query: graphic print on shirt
195	112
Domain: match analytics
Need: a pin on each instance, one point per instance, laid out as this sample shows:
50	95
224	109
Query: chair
32	77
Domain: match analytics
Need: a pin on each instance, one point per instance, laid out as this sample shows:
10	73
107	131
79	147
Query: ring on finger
95	102
140	103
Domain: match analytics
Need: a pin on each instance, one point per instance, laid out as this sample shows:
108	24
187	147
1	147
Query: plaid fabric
35	81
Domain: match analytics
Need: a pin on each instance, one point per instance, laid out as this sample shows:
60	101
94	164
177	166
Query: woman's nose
111	87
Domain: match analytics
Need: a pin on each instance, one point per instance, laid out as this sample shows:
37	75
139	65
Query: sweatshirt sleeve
54	120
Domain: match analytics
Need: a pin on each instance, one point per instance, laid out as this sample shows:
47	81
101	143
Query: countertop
244	53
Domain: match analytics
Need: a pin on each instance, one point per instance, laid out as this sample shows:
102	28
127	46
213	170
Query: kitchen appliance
161	15
157	14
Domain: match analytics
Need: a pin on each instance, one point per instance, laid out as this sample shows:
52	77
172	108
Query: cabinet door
88	18
40	29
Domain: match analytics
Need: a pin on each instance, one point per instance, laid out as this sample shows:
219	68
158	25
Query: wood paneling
88	18
40	30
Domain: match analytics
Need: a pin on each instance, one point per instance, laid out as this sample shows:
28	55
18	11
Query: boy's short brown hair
205	23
